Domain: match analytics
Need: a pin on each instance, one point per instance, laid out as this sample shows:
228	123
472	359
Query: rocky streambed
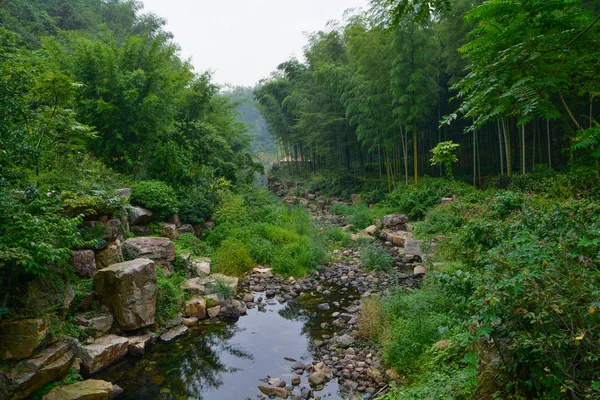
298	340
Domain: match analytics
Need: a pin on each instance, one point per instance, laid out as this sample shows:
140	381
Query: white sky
242	41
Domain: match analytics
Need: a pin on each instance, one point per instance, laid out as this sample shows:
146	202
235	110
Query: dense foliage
381	89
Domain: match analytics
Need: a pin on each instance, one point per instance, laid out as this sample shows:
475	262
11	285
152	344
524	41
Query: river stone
159	250
213	312
419	270
323	306
316	379
232	309
344	340
196	308
20	339
84	262
45	366
103	352
129	289
138	344
112	254
139	216
190	322
174	333
248	298
272	391
90	389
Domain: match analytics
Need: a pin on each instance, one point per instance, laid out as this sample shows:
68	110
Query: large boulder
395	222
102	353
112	254
45	366
129	289
186	228
90	389
139	216
138	344
200	266
84	262
20	339
170	231
159	250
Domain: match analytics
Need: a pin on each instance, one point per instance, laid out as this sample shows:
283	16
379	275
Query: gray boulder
395	222
102	353
96	325
129	289
159	250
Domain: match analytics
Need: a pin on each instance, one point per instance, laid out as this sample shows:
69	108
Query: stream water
226	359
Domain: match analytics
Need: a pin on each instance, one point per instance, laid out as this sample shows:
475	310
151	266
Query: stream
227	360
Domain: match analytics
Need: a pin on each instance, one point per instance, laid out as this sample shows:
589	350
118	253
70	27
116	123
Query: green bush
231	209
298	258
189	243
416	321
262	250
233	258
157	196
337	235
196	203
377	258
170	297
339	209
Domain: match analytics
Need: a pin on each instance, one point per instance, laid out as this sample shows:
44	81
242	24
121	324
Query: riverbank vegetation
498	97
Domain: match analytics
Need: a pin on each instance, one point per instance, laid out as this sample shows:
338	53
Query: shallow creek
227	360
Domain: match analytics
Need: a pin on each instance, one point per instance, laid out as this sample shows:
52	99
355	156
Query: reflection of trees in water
191	366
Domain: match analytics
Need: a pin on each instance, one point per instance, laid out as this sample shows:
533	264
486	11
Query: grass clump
220	288
157	196
376	258
371	318
233	258
170	297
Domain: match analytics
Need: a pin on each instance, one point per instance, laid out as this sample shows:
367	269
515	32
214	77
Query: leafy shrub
189	243
94	202
377	258
231	209
298	258
337	235
339	209
262	250
196	203
507	201
170	297
157	196
233	258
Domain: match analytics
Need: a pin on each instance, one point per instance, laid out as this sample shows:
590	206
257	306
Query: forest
473	122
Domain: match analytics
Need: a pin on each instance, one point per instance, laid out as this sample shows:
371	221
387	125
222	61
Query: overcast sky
242	41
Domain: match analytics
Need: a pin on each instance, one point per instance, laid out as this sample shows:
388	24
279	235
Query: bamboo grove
514	82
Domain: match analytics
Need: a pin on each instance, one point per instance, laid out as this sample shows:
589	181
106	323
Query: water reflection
227	360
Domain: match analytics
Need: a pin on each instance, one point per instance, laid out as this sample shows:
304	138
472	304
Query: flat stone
159	250
190	322
200	266
129	289
138	344
174	334
95	326
419	270
20	339
102	353
90	389
213	312
371	230
45	366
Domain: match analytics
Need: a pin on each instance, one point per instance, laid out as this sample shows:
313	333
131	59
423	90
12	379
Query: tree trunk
415	162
